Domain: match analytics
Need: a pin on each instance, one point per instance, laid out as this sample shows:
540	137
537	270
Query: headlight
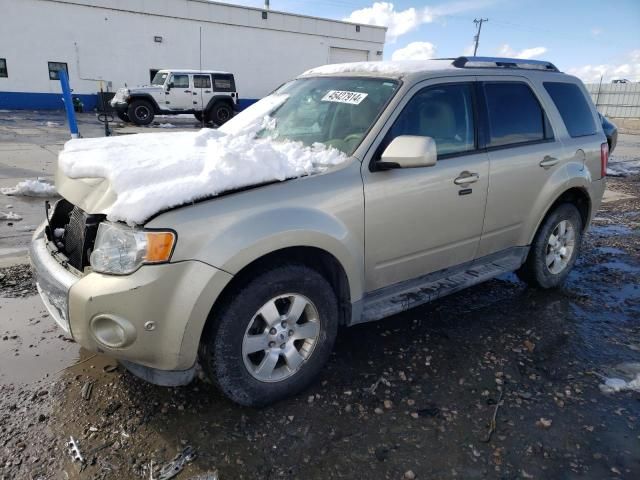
120	250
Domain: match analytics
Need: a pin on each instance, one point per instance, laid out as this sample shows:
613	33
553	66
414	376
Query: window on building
444	113
180	81
55	67
224	83
573	108
202	81
515	115
3	68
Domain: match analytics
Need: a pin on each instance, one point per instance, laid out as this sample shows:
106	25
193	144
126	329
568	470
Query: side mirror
170	86
409	151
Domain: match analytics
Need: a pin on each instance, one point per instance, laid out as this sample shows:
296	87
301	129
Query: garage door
344	55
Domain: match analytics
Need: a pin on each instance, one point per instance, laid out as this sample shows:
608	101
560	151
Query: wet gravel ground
412	396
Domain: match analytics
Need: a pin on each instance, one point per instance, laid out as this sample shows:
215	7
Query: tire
123	116
198	116
224	350
140	112
220	113
547	264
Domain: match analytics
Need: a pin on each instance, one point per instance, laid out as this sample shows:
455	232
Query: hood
93	195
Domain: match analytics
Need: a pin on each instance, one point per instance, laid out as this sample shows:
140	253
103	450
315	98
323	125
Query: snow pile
393	68
52	124
613	385
10	216
166	125
151	172
31	188
623	166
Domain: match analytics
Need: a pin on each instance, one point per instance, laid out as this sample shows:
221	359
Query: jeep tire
554	249
140	112
271	336
123	116
220	113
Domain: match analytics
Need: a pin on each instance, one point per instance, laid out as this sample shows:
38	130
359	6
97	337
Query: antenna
201	96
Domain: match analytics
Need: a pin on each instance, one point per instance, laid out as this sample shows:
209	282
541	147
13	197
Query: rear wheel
140	112
220	113
270	339
555	248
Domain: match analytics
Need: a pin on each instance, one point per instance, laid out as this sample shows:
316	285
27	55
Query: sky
586	38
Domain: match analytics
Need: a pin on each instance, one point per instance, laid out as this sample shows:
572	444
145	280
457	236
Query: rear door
202	90
524	155
421	220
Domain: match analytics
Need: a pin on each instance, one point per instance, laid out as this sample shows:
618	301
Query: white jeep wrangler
210	95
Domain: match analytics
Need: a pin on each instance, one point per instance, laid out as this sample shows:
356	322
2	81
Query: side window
55	67
515	115
3	68
573	108
224	83
180	81
444	113
202	81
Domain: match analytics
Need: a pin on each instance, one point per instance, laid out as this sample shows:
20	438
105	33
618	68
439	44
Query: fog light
112	331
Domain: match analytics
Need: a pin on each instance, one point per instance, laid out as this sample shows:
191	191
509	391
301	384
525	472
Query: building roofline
281	12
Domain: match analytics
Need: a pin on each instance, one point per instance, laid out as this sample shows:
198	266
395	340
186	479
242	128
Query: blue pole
68	103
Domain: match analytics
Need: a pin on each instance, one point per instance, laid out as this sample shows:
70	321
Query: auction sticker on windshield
342	96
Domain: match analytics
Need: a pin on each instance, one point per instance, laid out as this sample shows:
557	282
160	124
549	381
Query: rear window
573	108
515	115
224	83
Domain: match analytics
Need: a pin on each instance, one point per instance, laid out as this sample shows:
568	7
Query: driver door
421	220
180	94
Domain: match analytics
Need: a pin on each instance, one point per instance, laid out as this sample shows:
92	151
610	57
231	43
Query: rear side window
515	115
573	108
224	83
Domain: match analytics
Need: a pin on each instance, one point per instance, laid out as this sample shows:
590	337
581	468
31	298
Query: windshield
336	112
159	78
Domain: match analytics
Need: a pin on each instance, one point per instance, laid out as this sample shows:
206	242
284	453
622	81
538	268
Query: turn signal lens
159	246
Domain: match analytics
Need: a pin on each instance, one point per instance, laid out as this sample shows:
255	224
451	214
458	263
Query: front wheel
140	112
271	337
555	248
123	116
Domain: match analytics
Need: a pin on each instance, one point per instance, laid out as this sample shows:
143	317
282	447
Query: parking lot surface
498	381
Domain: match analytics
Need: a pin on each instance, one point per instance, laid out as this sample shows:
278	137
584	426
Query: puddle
610	250
621	266
605	230
33	349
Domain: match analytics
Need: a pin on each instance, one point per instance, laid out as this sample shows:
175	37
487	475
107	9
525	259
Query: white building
126	41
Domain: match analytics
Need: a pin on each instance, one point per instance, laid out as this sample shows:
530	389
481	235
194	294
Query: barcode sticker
342	96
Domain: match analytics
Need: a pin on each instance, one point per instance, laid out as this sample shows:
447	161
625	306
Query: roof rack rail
497	62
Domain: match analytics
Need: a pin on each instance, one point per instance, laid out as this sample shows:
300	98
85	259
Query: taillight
604	159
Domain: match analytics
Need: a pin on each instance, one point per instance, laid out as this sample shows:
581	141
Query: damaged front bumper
53	280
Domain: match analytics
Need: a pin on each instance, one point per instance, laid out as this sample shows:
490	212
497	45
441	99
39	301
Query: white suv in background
210	95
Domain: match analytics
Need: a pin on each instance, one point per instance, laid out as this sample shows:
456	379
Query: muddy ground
412	396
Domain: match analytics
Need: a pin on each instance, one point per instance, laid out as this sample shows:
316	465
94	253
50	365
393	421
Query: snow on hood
151	172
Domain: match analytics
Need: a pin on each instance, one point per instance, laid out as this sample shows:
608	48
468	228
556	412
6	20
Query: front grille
78	233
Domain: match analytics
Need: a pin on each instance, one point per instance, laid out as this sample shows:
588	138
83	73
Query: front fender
325	211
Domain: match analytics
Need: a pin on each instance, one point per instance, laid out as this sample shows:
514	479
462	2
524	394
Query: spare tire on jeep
220	113
140	111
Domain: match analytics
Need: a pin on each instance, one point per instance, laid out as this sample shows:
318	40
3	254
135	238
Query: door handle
207	91
187	91
548	161
466	177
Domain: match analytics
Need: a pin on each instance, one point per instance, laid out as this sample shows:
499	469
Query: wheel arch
146	97
316	258
218	99
576	195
